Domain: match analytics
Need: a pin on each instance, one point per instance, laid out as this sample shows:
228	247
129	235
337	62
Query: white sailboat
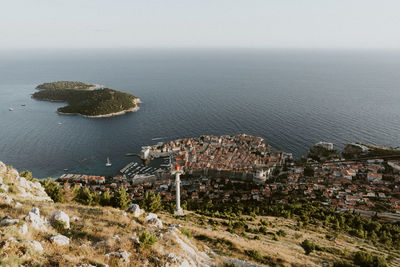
108	163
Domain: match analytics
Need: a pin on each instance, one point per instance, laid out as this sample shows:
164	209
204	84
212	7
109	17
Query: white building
261	175
145	153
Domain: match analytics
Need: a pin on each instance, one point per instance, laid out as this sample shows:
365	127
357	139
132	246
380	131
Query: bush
53	190
28	176
308	246
84	196
105	199
151	202
281	233
368	260
186	232
147	240
343	264
256	255
121	199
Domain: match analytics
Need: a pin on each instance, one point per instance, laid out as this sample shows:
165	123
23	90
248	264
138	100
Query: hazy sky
26	24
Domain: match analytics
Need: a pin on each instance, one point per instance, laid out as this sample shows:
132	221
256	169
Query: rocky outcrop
153	220
35	245
21	187
6	199
35	221
135	210
189	254
7	221
59	217
120	254
60	240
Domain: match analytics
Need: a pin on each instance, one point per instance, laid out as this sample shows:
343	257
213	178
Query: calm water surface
292	99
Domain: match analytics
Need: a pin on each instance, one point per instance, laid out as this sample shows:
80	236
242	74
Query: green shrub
308	246
369	260
84	196
186	232
105	199
151	202
121	199
53	190
281	233
147	240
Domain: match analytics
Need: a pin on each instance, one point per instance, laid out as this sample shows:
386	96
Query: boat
59	123
65	170
11	109
108	163
23	105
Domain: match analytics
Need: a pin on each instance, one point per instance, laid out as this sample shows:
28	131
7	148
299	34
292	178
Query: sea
291	98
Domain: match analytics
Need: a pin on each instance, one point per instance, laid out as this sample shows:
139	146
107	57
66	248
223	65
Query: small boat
65	170
59	123
11	109
23	105
108	163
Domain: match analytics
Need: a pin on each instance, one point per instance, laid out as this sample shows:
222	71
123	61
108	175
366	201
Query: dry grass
285	252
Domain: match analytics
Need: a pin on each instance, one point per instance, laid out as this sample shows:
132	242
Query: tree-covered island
84	100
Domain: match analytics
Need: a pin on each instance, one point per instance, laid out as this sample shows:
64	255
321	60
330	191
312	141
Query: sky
287	24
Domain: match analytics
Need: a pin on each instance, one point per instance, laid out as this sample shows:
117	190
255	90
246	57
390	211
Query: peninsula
84	99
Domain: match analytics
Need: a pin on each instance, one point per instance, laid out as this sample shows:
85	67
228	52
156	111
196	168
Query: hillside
91	103
65	85
38	231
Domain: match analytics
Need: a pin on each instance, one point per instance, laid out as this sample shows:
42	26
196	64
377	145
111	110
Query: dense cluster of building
233	153
369	185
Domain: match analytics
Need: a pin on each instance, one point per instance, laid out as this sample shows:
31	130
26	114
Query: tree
53	190
84	196
105	199
151	202
121	199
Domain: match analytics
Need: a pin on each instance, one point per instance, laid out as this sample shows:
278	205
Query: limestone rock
23	229
121	254
36	211
35	221
59	240
4	198
35	245
150	216
135	209
59	217
3	167
4	187
74	219
189	254
153	220
7	221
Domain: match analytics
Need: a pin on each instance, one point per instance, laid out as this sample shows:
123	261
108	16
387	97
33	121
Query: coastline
95	86
122	112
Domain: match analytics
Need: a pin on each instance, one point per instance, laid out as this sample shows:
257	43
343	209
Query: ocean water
291	98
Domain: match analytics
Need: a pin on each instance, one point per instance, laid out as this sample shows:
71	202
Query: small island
84	99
